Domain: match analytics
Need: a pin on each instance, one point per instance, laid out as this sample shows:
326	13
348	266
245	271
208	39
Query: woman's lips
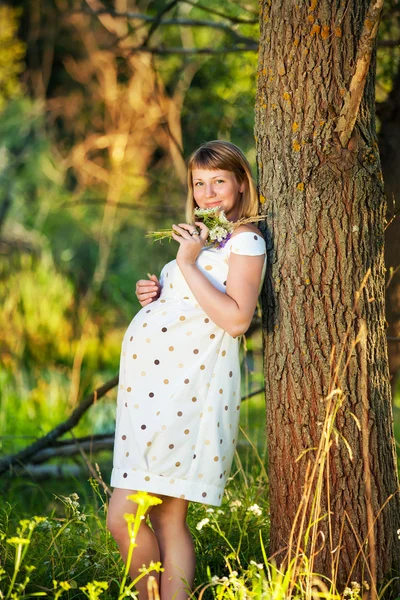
214	204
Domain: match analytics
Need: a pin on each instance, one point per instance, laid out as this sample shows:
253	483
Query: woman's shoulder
247	239
246	228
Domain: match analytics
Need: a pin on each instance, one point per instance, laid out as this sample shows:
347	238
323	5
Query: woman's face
217	187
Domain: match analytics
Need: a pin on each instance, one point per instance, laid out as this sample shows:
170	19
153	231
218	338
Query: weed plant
69	554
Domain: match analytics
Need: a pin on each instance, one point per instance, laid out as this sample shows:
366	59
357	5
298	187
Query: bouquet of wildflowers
220	229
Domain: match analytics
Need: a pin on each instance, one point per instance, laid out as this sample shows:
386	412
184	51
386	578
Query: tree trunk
389	135
324	212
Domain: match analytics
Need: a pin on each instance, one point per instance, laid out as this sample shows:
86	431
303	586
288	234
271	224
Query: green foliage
388	57
71	547
228	112
81	560
12	52
38	301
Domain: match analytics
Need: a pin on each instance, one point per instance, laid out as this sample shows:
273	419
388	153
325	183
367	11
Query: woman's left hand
189	245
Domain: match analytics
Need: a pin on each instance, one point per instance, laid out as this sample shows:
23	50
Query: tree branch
46	447
68	448
43	472
224	50
389	43
176	21
158	20
212	11
182	22
351	105
49	438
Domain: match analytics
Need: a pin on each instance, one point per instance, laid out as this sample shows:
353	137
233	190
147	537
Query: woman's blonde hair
228	157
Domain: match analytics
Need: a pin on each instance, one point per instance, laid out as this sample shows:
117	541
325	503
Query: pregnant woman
179	393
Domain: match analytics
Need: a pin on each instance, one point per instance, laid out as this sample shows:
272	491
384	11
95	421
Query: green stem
242	530
132	546
221	533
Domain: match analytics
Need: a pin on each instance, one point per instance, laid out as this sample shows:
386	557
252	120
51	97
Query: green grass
72	547
72	544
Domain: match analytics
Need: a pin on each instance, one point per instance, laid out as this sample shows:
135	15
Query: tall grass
69	554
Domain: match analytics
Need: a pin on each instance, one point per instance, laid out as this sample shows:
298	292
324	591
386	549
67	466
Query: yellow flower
144	499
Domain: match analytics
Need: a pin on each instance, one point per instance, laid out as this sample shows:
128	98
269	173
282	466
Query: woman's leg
176	547
147	546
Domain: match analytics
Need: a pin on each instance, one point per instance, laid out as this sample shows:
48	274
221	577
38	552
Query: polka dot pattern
179	394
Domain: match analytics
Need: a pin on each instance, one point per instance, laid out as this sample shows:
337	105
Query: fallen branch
43	472
47	440
351	105
47	447
68	448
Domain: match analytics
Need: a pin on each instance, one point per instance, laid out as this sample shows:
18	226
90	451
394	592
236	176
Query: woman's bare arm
233	310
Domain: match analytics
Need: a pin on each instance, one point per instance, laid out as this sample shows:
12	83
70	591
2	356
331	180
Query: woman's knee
116	524
170	515
118	506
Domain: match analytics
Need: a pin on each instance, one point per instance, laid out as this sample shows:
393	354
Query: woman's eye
220	181
198	183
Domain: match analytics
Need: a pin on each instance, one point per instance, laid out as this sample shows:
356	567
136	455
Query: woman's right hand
148	290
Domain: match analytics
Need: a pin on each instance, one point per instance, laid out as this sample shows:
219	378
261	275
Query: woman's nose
210	191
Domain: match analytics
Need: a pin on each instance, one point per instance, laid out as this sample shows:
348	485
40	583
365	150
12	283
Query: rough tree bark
324	212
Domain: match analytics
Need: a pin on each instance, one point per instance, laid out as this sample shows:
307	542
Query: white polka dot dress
179	388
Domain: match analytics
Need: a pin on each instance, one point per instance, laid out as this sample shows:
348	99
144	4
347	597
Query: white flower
258	565
217	223
201	524
200	212
209	510
214	579
398	533
218	233
255	509
235	505
233	574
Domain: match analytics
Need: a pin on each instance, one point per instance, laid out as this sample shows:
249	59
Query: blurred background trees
94	140
101	103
